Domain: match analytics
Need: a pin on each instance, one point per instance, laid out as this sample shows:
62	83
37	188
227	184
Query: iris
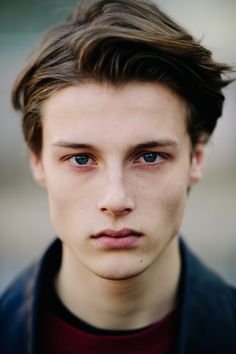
150	157
82	159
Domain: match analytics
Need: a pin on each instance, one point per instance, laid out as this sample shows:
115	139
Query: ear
197	163
37	169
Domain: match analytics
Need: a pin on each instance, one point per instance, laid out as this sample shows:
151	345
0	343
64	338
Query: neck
121	304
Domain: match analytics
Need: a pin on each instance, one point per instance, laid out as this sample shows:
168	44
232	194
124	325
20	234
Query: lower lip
116	242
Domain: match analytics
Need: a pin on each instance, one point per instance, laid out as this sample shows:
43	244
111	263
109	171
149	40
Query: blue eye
82	159
150	157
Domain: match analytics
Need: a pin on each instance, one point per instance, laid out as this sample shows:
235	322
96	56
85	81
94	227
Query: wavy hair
121	41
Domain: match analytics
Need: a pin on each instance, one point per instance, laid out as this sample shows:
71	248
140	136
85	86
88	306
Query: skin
119	186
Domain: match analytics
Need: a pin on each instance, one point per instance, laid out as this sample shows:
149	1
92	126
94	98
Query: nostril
103	209
127	210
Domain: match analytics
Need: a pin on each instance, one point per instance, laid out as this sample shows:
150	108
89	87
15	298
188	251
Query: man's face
116	164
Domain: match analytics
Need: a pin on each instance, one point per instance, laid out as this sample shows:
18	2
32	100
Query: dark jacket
207	315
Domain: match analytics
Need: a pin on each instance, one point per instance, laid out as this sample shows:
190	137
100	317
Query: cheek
164	199
69	203
176	200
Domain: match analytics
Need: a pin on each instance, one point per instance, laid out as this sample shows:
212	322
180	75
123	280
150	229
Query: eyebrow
156	144
142	146
72	145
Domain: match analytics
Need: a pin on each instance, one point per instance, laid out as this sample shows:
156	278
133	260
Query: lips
117	234
116	239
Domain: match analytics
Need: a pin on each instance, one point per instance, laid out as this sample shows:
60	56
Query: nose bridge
115	197
116	182
115	175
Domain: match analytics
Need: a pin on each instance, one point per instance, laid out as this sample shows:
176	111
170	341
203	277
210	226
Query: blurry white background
210	220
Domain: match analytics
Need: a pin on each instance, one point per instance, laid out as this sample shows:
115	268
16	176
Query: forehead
101	112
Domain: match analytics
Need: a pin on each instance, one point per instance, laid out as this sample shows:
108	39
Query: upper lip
117	233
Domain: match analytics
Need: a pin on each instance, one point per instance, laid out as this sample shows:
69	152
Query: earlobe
37	169
197	164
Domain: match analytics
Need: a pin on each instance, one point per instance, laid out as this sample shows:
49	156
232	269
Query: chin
125	273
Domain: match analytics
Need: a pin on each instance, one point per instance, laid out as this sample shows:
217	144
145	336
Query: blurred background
210	221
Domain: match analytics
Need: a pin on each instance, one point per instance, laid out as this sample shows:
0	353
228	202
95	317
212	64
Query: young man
117	106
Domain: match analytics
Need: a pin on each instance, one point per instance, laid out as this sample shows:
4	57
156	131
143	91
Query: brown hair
118	41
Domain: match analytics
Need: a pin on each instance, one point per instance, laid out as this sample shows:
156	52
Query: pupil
82	160
150	157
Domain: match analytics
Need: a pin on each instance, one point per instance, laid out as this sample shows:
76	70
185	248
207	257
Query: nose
115	199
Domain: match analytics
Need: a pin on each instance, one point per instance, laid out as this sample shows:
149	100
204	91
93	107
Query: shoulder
198	277
21	303
208	306
18	291
29	280
16	310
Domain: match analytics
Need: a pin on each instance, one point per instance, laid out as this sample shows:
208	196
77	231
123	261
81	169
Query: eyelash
158	156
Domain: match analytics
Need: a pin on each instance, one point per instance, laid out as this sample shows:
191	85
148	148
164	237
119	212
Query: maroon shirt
61	337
